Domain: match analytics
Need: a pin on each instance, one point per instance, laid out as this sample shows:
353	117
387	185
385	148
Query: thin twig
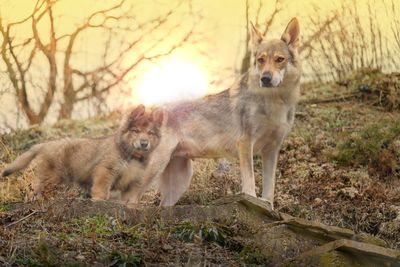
23	218
329	100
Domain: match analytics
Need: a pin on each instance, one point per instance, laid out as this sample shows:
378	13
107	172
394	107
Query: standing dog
254	116
102	164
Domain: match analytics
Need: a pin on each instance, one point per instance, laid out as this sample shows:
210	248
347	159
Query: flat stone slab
346	252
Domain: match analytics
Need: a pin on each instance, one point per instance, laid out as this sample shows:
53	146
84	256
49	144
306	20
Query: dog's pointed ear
292	33
137	112
255	35
130	118
158	116
134	115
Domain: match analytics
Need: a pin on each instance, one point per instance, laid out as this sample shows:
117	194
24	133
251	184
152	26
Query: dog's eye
279	59
261	60
152	132
135	130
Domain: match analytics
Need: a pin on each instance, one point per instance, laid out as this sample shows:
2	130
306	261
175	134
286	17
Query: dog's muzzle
266	80
144	144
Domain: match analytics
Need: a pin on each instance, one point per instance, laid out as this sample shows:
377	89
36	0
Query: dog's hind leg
270	158
46	179
246	166
175	180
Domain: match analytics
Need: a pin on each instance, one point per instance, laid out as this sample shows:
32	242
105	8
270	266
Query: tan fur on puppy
115	162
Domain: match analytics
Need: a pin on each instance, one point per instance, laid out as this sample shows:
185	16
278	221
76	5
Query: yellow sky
223	21
222	27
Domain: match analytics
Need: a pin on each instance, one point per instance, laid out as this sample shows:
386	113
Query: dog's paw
97	199
269	202
32	196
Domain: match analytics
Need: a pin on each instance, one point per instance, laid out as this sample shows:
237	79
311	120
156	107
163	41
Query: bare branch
79	83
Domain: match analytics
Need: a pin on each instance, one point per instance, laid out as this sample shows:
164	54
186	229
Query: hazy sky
223	22
218	50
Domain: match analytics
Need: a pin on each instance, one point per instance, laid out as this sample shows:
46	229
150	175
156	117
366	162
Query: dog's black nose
144	143
266	79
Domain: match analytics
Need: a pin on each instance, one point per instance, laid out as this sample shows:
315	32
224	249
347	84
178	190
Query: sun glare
170	81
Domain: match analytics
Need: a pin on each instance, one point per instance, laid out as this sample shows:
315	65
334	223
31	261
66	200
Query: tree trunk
245	62
68	105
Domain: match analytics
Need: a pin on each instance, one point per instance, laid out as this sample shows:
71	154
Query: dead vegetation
122	42
340	166
355	39
81	238
375	88
107	241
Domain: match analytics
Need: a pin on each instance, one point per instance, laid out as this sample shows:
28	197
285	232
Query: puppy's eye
261	60
135	130
280	59
152	132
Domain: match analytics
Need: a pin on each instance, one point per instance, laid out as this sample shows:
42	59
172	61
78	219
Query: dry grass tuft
375	88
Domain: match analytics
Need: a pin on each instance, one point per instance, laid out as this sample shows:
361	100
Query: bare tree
122	34
354	40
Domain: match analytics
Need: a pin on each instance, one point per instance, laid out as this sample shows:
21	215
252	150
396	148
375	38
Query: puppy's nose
266	79
144	143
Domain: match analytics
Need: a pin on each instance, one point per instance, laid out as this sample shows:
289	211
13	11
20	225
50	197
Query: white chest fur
272	124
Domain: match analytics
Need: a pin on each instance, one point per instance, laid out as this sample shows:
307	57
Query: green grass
98	225
45	253
365	147
5	207
120	259
206	232
251	257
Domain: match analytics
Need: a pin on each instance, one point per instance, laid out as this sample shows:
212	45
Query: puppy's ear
137	112
255	36
133	116
158	116
292	33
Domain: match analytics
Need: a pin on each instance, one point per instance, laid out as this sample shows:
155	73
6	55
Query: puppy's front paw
33	196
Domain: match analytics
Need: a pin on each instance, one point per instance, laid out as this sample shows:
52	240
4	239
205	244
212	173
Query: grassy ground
340	165
102	240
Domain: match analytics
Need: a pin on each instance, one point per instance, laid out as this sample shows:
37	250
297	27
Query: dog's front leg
270	158
245	146
102	182
175	180
159	160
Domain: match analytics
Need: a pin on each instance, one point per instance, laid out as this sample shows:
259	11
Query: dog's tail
22	161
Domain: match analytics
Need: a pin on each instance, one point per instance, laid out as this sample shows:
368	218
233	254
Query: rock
363	237
346	253
223	166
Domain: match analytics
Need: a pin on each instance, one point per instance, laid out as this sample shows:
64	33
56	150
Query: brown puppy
115	162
